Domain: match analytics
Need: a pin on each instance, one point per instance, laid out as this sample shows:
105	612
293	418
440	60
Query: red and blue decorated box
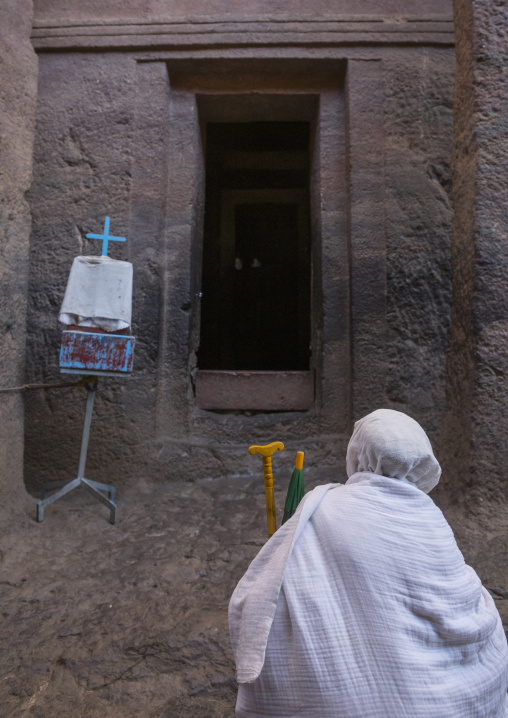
96	352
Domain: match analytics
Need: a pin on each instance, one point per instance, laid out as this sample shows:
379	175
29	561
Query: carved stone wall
477	424
118	134
18	88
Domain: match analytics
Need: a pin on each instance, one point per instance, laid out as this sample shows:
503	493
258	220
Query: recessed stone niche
269	179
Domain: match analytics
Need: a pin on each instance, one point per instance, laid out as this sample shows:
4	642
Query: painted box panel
97	352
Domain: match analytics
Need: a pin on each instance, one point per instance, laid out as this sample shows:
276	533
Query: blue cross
105	238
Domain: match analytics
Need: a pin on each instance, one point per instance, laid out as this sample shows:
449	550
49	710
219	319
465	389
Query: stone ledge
211	32
255	390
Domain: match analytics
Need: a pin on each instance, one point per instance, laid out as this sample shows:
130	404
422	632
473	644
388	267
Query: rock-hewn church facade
322	175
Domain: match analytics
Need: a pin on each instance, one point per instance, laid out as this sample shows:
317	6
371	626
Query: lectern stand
97	311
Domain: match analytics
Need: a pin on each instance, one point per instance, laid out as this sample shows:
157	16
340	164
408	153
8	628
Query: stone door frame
349	255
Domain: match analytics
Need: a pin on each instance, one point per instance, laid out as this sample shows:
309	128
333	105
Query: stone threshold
255	390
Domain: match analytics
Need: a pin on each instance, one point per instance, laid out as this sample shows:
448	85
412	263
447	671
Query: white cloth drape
98	294
361	606
390	443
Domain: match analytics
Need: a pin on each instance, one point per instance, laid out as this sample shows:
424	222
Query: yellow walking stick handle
266	452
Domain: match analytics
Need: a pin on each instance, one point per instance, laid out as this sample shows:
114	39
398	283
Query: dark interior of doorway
255	311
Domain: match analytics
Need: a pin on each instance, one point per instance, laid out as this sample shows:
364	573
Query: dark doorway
256	254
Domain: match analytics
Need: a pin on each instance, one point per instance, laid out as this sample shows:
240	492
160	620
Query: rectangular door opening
256	275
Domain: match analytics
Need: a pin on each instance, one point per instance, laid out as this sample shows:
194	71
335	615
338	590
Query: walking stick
266	452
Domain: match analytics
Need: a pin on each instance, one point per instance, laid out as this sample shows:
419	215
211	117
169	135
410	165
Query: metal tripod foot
93	487
110	490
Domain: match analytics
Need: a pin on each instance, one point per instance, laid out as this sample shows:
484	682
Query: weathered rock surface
123	139
477	364
101	621
130	620
18	88
127	620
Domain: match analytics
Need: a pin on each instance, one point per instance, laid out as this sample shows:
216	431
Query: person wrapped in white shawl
361	605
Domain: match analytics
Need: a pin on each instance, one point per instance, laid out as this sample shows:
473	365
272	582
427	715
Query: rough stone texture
18	87
418	141
366	155
95	10
128	620
157	402
84	178
119	136
101	621
477	388
219	31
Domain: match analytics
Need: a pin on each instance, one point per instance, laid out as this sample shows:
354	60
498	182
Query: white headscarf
390	443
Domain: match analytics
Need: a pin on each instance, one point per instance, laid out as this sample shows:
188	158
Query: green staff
295	489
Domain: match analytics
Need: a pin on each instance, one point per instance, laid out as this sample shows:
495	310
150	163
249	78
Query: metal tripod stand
93	487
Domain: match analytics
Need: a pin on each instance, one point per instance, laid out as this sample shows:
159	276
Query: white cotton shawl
361	606
390	443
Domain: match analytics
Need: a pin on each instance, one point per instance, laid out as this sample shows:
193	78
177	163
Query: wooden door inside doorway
256	281
265	265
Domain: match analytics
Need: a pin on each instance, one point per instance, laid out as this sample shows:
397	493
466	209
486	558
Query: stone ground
101	621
